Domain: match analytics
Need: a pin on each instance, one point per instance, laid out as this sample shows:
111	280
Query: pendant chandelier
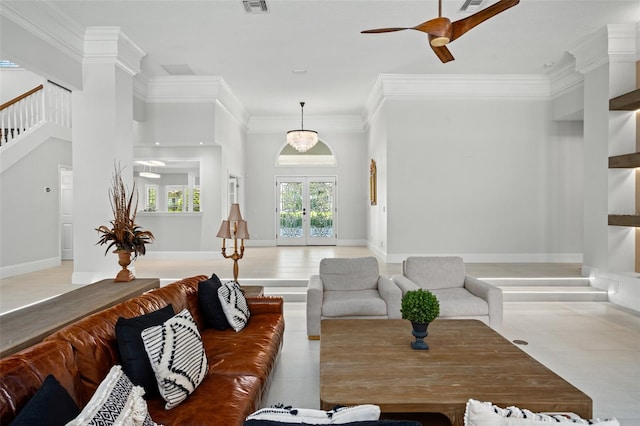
302	140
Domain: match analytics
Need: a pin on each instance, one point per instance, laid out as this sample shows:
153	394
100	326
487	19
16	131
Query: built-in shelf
624	220
627	102
627	161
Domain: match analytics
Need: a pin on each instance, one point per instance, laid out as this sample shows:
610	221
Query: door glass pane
291	210
321	209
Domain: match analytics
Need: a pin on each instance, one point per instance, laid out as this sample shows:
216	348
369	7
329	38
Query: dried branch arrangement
124	234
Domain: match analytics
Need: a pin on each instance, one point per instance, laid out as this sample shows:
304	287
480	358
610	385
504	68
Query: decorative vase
124	259
419	332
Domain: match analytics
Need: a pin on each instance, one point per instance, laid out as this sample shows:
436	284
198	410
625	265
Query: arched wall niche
320	155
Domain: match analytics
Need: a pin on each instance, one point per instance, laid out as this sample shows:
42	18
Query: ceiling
257	54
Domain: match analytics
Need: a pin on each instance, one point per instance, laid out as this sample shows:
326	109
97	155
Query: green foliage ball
420	306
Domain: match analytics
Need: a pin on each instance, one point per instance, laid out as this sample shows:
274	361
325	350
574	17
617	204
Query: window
180	199
151	198
196	198
175	198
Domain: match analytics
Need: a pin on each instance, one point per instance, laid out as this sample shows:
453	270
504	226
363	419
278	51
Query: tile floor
593	345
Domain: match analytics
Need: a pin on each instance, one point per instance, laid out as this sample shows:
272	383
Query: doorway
306	211
66	214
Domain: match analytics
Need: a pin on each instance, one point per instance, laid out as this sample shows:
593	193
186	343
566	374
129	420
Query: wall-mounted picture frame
373	182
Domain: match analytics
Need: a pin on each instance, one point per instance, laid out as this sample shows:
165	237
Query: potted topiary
420	307
125	235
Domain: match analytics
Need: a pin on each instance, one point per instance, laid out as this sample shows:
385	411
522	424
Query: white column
607	61
102	134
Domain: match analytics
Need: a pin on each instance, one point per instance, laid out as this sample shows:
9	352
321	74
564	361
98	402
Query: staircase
31	119
563	289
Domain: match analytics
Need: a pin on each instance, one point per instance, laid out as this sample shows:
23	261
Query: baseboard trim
497	257
183	255
28	267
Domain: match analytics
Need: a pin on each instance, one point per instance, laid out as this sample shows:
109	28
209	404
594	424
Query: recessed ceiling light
151	163
157	143
150	175
299	71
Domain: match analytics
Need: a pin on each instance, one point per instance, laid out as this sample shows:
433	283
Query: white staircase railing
48	102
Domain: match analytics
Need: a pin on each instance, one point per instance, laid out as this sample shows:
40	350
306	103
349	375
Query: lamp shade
234	213
243	231
225	230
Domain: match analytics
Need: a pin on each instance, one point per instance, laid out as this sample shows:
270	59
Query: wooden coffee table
371	362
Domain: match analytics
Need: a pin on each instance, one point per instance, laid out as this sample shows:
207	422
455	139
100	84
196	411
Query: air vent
471	5
255	6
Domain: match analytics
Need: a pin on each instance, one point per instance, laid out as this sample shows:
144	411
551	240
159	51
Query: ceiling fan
442	31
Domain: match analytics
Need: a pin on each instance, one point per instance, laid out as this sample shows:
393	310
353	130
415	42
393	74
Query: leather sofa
81	354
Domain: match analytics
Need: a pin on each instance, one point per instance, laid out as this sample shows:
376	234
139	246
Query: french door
306	211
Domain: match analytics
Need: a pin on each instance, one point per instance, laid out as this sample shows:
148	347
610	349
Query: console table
252	290
25	327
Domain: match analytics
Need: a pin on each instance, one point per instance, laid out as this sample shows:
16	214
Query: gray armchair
460	295
350	288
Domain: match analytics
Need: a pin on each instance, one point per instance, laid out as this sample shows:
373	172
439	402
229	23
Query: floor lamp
234	228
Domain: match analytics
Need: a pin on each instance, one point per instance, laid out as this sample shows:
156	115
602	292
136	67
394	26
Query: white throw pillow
338	415
486	414
116	402
234	305
177	357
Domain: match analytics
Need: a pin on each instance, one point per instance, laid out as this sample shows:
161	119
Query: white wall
177	124
230	136
188	232
492	180
15	81
377	147
41	57
30	219
352	172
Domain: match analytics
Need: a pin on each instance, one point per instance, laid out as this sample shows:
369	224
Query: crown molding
140	83
319	123
615	42
462	86
590	52
565	79
623	42
193	88
52	26
111	45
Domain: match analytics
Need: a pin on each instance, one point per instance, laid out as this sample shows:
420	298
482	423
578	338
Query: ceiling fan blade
436	26
463	25
384	30
442	52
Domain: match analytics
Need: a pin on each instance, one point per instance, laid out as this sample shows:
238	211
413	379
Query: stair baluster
32	108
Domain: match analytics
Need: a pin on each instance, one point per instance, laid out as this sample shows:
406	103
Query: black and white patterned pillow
479	413
177	357
116	402
338	415
234	305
